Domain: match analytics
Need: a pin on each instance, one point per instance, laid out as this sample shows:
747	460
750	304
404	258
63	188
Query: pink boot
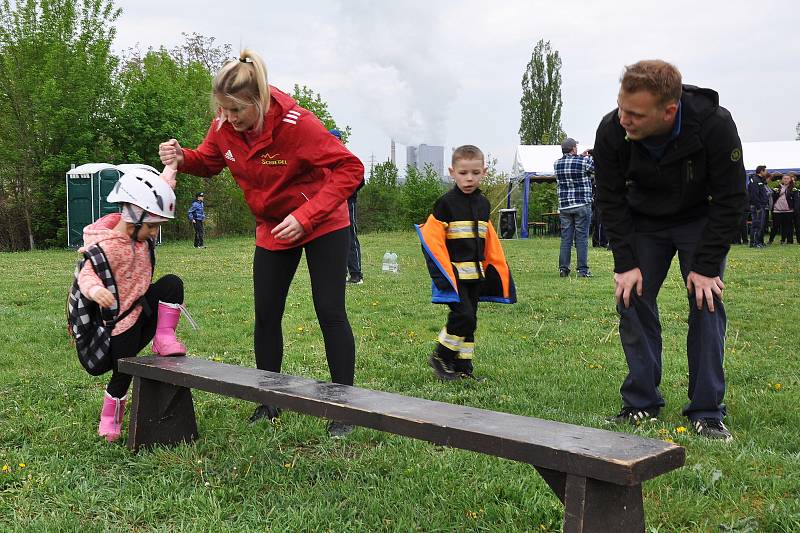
111	417
164	342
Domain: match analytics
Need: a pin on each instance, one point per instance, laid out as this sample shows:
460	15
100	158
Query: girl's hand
171	153
288	230
103	297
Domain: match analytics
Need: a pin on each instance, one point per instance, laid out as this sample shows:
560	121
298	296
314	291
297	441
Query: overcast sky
449	72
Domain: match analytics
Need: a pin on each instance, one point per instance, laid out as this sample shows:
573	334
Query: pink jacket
129	264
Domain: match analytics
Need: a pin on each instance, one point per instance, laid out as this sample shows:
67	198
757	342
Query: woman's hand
288	230
171	153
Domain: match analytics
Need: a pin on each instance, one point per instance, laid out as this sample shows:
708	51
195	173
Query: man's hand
103	297
704	288
624	283
288	230
171	153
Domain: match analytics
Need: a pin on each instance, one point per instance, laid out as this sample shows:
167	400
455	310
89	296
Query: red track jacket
294	167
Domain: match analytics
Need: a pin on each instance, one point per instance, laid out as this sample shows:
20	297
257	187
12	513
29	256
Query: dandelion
777	386
680	429
6	468
287	465
472	514
22	465
300	329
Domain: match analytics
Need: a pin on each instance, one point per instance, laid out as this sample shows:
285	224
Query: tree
378	201
312	101
56	102
541	97
418	194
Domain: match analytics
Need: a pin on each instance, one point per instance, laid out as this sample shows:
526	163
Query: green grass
554	355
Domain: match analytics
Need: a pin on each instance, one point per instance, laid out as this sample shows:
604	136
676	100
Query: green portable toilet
88	186
87	189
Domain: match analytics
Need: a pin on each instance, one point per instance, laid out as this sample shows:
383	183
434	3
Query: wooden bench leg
592	506
160	414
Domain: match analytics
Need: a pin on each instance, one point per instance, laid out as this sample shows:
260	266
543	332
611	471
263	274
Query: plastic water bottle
393	263
387	259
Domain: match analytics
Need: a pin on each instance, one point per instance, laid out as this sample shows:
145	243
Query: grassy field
554	355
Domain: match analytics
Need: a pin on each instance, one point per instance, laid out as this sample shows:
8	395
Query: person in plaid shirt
574	177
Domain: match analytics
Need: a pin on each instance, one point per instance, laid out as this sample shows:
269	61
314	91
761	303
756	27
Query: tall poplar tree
540	121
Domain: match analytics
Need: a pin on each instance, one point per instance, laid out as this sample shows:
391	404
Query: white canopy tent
778	156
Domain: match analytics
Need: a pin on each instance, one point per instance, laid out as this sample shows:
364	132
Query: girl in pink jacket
127	241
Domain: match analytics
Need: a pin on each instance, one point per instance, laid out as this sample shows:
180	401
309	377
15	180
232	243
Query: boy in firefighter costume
465	261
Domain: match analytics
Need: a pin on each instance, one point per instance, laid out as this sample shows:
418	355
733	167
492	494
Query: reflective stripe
466	350
451	342
468	270
465	229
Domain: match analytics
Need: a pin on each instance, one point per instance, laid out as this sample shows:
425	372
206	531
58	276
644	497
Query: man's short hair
760	169
654	76
467	151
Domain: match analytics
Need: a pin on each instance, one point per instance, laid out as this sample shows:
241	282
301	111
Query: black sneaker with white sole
712	428
634	416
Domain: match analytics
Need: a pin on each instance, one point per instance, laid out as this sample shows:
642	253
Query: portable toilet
87	189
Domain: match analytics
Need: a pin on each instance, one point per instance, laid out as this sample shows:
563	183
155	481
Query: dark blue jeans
759	220
575	222
640	329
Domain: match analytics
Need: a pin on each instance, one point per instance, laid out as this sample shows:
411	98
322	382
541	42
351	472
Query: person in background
574	178
783	209
759	195
354	273
197	215
296	178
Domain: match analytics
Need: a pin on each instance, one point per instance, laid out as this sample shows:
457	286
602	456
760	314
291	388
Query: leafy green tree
418	194
56	104
378	201
541	97
312	101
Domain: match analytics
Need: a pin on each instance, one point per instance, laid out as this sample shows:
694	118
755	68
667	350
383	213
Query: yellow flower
777	386
22	465
669	440
680	429
300	329
287	465
5	468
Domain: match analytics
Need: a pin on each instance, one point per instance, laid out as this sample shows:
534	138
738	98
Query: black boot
270	412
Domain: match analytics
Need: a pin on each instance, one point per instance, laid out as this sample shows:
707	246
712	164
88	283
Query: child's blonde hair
244	81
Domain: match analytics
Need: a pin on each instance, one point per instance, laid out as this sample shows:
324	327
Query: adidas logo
229	156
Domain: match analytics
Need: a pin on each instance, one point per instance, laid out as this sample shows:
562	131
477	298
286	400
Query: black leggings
273	271
130	342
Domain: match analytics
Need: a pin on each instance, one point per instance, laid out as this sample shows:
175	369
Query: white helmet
146	189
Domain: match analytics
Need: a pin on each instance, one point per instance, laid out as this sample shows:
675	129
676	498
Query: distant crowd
773	209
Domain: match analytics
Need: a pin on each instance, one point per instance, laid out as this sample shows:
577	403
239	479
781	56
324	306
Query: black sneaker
355	280
564	272
270	412
711	428
633	416
587	274
442	368
339	430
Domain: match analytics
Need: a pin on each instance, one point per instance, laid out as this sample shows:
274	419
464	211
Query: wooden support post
160	414
592	506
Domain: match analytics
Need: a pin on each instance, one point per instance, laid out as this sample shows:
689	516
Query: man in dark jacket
197	214
670	178
759	194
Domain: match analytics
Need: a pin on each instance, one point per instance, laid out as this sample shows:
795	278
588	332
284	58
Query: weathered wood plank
617	458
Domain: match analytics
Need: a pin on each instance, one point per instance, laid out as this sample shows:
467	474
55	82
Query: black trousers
462	321
354	253
782	222
640	329
198	233
273	272
132	341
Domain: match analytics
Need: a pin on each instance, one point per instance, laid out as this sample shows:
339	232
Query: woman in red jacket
296	178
